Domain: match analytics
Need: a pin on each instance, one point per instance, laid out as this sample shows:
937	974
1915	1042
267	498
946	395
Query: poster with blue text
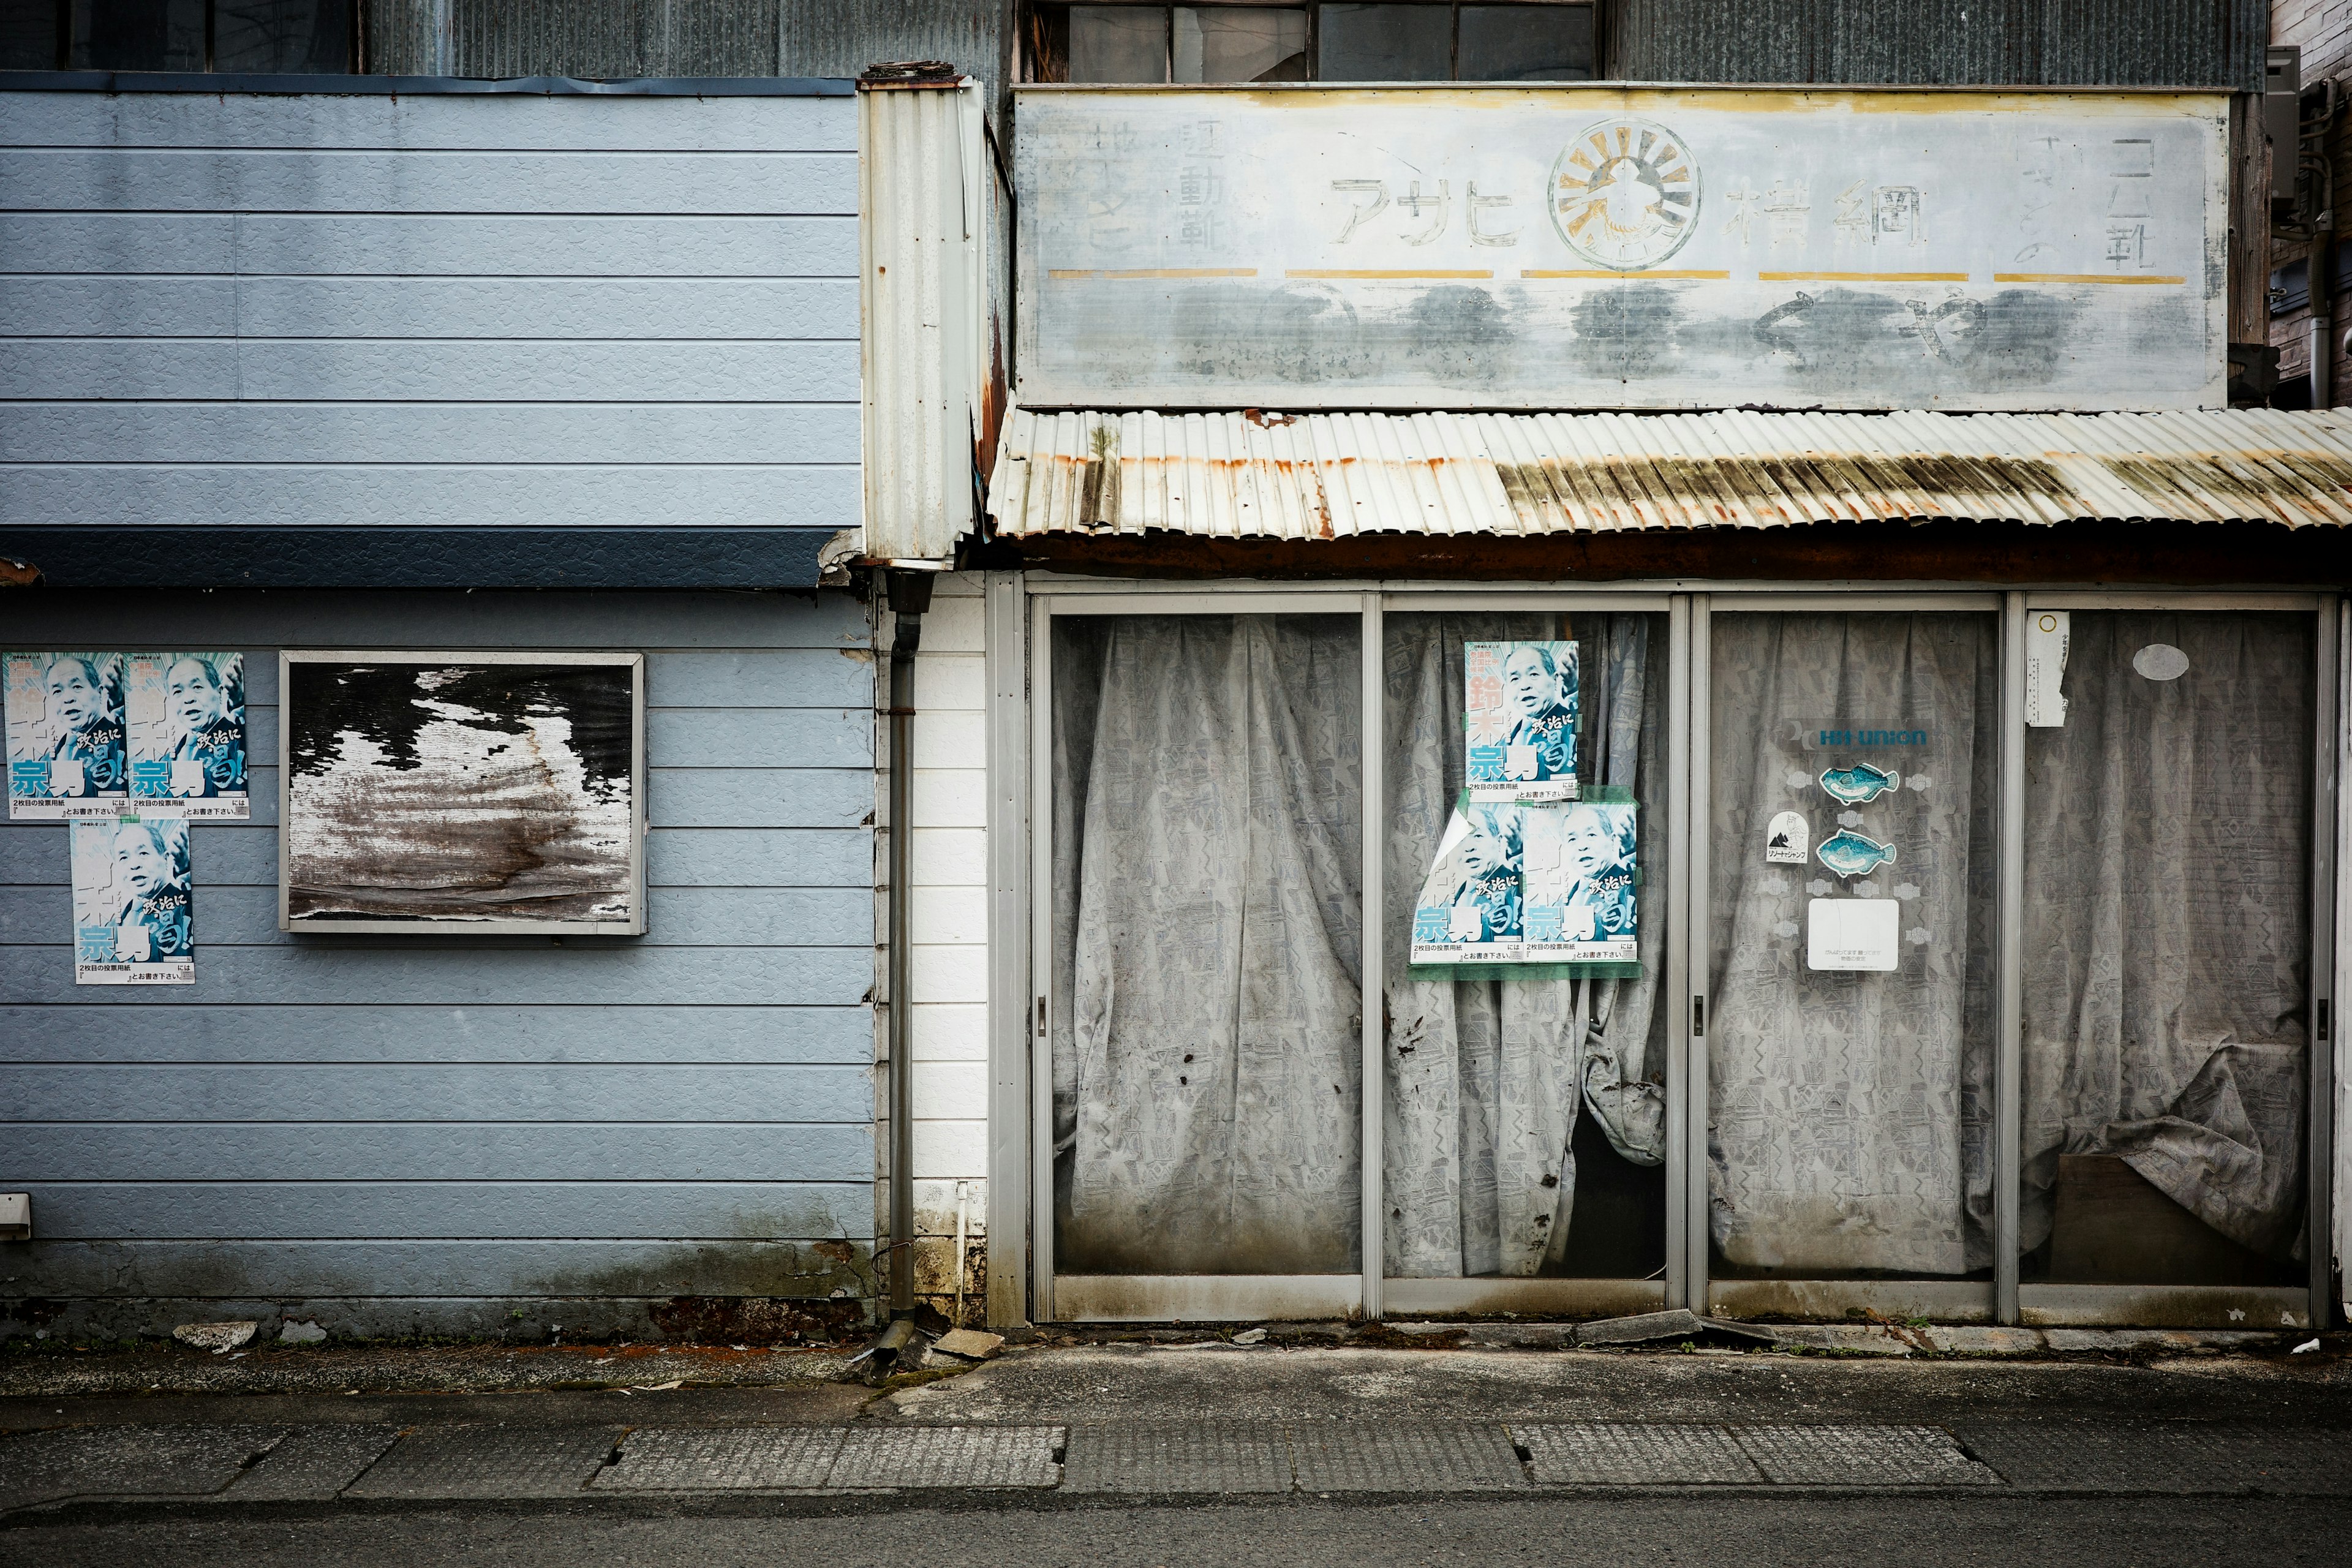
65	735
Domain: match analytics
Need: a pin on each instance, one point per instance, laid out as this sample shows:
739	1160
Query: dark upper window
302	37
1330	40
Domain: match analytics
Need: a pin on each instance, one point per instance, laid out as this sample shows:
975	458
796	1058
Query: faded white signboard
1515	248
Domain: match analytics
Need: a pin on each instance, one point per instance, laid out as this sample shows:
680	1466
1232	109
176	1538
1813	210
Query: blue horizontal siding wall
409	312
430	1134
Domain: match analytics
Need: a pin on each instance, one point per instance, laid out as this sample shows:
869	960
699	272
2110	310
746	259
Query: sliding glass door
1964	956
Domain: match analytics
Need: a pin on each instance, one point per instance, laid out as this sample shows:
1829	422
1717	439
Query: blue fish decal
1849	854
1859	785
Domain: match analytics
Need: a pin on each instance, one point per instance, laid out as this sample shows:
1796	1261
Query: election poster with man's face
1580	880
65	735
1471	907
188	735
1520	716
134	916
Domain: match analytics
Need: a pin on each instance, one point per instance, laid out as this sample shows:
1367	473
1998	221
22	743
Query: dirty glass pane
1207	984
139	35
2167	951
1852	858
1238	43
1525	43
1119	43
1385	43
28	35
1524	1129
262	35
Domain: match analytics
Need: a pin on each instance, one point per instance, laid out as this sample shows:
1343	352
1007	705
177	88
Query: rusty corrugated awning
1253	474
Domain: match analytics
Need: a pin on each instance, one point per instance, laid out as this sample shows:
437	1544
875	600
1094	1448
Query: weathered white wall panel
1491	247
439	310
949	916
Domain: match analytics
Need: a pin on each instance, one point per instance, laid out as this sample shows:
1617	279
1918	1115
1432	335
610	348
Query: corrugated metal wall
2160	42
609	40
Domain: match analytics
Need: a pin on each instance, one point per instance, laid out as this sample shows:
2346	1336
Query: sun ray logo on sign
1624	194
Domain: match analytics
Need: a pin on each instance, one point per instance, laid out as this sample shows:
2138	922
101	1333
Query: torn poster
1579	880
186	713
2046	669
463	792
65	735
134	918
1520	716
1471	906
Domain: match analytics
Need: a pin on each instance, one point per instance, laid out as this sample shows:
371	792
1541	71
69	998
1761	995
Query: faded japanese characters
133	909
1519	719
187	732
65	730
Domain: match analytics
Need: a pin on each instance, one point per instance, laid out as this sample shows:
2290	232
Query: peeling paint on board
1498	248
449	788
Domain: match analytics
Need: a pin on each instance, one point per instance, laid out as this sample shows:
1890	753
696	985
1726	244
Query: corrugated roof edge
399	86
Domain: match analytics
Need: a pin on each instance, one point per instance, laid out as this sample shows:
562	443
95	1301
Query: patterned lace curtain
2168	862
1486	1078
1850	1112
1207	973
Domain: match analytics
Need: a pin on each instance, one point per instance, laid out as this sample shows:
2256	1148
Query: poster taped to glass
187	734
1582	906
1519	712
1470	908
134	917
65	730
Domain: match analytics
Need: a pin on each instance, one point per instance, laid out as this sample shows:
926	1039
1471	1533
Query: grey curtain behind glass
1485	1076
1208	981
2167	861
1850	1112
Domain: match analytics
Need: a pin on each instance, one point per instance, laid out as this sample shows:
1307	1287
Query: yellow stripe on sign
1606	272
1861	277
2086	278
1378	272
1066	274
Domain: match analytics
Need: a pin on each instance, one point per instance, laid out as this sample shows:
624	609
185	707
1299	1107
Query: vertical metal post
2009	913
1373	925
2321	1161
1679	1168
1009	1216
1039	1009
1699	818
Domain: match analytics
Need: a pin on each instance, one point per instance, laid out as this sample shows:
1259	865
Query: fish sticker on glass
66	736
1519	718
188	733
1850	854
1789	839
1581	904
1471	906
1860	784
133	909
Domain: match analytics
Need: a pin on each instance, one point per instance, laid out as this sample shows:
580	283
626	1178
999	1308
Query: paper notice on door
1852	933
2046	669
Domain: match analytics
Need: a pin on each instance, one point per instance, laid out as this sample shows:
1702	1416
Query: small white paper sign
2046	669
1789	840
1852	933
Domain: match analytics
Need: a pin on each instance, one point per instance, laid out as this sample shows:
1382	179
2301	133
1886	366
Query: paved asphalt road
1929	1532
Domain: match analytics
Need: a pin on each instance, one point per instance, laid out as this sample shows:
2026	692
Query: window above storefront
1337	40
241	37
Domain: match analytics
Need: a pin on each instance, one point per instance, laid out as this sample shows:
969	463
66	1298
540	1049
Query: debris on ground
217	1338
972	1345
1677	1324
